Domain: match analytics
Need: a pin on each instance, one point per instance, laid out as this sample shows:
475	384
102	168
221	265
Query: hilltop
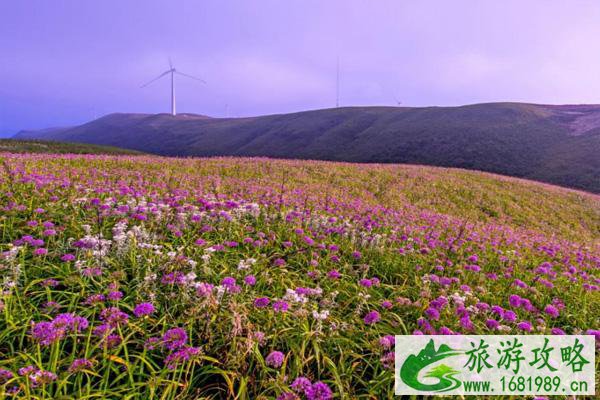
549	143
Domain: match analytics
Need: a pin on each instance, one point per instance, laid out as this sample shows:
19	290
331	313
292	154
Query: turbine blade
155	79
190	76
170	63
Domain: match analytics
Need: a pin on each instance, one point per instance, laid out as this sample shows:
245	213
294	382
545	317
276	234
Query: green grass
51	147
133	223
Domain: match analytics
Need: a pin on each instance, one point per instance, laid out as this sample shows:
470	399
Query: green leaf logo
413	365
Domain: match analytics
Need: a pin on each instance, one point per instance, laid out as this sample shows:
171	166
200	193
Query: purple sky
65	62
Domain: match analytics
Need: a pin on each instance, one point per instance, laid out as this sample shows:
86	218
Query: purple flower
174	338
388	359
102	330
444	330
279	262
250	280
28	370
319	391
173	278
181	356
47	333
473	258
280	306
492	323
112	341
432	313
259	337
68	257
551	311
80	364
275	359
557	331
301	384
594	332
5	376
333	274
365	282
524	326
50	283
95	299
466	323
151	343
387	304
497	310
143	309
228	281
261	302
114	317
372	317
509	316
115	295
40	251
204	289
387	342
70	323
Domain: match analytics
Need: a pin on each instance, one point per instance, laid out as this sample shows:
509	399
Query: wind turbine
172	71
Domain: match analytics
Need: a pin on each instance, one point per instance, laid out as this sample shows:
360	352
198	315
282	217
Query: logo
495	365
413	365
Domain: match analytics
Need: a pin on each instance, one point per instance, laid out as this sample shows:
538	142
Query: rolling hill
558	144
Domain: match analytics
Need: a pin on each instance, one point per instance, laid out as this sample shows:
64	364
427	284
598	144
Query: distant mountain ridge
558	144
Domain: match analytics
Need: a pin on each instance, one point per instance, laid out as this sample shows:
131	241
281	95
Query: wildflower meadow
139	277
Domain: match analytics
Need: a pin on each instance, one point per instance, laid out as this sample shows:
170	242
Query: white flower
321	316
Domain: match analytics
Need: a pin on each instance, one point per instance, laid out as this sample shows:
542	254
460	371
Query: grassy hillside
476	197
52	147
469	195
153	278
556	144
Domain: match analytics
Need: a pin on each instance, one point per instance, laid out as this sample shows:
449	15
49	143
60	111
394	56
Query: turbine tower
173	71
337	82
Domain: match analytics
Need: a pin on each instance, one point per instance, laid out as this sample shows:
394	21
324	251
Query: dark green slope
557	144
52	147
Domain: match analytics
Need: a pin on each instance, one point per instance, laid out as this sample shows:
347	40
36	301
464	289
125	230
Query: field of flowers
155	278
